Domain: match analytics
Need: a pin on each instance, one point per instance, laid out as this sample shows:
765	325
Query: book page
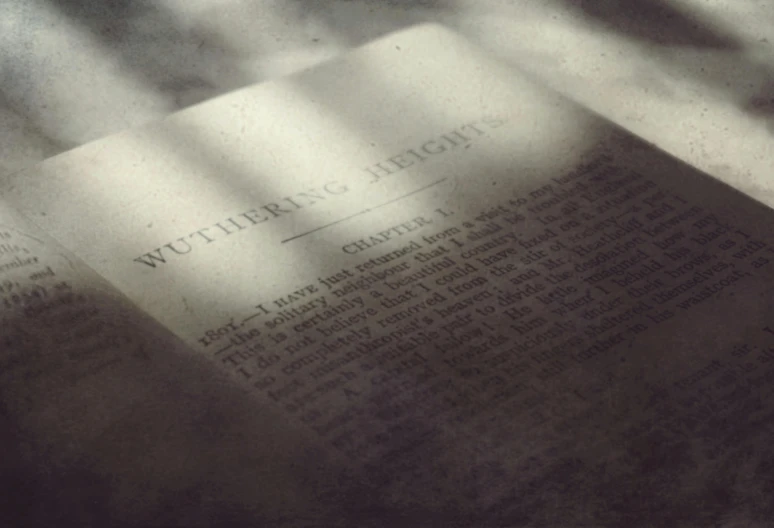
483	301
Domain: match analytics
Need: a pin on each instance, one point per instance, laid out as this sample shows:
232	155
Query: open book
409	287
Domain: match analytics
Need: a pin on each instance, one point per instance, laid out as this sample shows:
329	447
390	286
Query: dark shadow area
178	444
358	22
659	22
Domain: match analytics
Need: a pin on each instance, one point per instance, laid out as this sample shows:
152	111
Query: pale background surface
694	76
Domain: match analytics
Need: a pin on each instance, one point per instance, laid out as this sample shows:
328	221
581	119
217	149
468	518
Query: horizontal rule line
364	211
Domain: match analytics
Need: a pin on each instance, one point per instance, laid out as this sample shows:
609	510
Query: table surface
695	77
